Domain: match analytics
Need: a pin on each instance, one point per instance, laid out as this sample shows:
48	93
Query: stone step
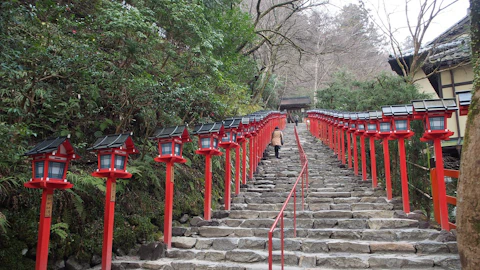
316	246
402	234
331	260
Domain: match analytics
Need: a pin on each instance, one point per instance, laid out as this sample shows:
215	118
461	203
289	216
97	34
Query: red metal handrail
303	176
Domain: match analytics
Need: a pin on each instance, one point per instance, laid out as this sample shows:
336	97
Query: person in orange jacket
277	141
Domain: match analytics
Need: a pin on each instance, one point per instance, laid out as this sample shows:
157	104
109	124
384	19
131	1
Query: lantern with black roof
346	128
353	131
209	136
361	123
435	113
384	132
170	148
170	143
464	100
112	152
371	133
50	160
243	141
400	116
229	141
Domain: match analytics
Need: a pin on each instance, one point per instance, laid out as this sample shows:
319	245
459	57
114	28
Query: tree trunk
468	214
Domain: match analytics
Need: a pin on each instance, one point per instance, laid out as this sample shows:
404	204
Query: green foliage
346	93
90	68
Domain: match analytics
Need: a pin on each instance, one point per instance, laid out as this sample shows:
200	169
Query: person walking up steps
277	140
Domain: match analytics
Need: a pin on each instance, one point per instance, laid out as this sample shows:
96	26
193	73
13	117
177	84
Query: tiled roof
110	141
295	101
47	146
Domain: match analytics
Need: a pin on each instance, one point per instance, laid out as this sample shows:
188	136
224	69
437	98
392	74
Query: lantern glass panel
227	137
352	125
234	137
385	127
437	123
400	124
372	127
361	127
205	142
215	143
178	148
166	148
56	169
39	166
120	162
105	161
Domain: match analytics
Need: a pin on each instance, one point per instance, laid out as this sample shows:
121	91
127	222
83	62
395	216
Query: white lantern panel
39	167
437	123
56	169
105	161
119	162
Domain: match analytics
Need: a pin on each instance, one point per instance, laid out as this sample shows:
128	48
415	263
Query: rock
244	256
349	247
152	251
120	252
194	221
118	266
157	266
131	265
72	264
379	247
225	244
96	260
219	215
60	264
178	231
446	236
184	219
211	223
183	242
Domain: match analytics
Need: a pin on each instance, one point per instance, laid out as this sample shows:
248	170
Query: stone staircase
345	224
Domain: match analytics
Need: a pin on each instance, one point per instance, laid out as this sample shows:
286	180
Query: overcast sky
442	22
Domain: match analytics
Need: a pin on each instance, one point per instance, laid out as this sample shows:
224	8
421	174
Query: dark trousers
277	148
296	122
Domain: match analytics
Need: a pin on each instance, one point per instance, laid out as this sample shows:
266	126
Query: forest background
91	68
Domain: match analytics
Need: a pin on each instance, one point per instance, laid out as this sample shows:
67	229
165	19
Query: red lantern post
343	129
353	131
208	142
372	131
253	134
435	113
50	160
228	142
400	116
243	141
361	121
464	100
348	132
170	151
385	133
112	153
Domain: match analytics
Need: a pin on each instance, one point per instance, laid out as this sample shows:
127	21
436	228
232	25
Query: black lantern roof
245	120
170	132
208	128
353	116
52	144
375	115
232	123
362	115
464	98
435	105
114	141
397	110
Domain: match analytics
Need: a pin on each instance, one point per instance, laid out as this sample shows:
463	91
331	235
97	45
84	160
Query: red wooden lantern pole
372	132
386	160
435	114
208	142
50	160
343	128
349	151
400	116
226	198
355	154
364	158
246	135
112	152
237	170
170	148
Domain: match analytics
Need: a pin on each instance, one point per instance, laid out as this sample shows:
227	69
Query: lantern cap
232	123
171	132
52	144
464	98
374	115
362	115
397	110
115	141
435	105
208	128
